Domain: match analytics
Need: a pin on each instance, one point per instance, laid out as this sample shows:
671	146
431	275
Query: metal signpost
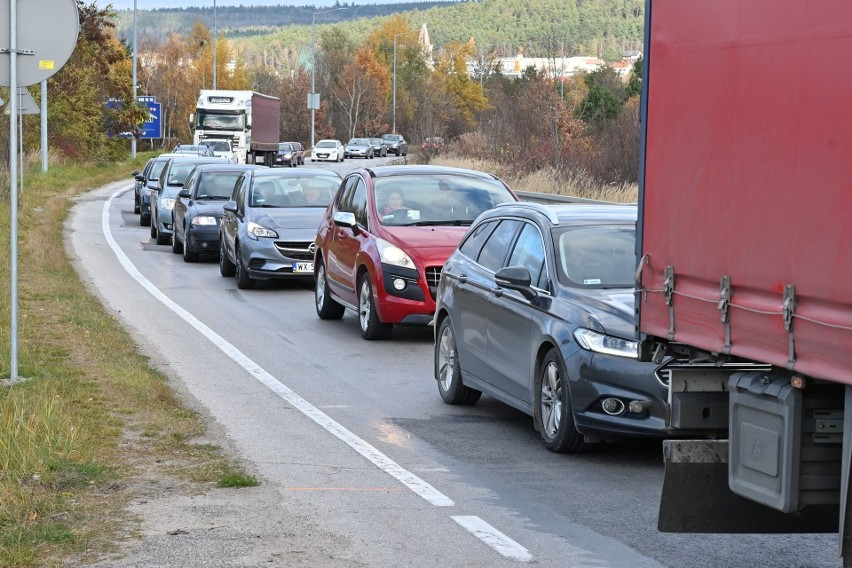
32	49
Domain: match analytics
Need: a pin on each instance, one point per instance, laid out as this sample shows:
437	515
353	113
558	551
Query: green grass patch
238	480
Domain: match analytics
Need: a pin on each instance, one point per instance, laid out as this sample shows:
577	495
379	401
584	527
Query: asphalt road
355	437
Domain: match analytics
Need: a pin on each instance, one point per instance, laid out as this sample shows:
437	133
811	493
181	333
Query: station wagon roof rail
543	209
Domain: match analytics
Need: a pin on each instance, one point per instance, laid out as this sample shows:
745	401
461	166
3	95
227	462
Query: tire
226	267
327	308
177	248
144	220
161	238
368	318
153	224
136	207
447	370
188	255
244	281
553	414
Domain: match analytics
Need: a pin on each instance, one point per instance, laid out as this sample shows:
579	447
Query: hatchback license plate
303	267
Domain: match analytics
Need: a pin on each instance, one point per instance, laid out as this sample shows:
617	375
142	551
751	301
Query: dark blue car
535	308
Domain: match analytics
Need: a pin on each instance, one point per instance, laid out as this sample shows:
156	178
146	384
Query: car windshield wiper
455	222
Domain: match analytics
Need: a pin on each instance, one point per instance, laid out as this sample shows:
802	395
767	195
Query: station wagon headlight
204	220
255	231
393	255
606	344
167	203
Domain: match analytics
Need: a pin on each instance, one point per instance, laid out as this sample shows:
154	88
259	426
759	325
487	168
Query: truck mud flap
696	497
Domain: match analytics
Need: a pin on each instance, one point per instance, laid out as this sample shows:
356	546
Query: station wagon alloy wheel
551	400
447	370
555	418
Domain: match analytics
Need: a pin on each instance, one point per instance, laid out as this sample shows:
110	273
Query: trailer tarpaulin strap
789	312
724	307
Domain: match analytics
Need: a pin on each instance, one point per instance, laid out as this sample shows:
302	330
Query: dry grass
92	415
549	180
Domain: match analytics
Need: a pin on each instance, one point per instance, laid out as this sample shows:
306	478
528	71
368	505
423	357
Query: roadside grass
91	415
548	180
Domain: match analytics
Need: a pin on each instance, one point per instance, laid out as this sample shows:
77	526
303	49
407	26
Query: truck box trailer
251	120
745	260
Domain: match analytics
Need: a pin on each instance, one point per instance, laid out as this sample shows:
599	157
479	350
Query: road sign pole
13	188
44	126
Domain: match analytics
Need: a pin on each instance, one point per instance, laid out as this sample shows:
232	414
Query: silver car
270	224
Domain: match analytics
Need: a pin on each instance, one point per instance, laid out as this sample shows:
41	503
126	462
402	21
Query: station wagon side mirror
183	193
230	206
135	173
516	278
346	219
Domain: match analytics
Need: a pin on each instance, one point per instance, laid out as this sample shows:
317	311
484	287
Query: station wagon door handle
497	291
463	278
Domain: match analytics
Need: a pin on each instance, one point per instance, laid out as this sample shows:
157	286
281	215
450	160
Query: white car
329	150
222	148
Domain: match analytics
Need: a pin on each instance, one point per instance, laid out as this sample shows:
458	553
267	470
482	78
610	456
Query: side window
494	251
345	194
474	241
240	190
189	184
358	203
529	253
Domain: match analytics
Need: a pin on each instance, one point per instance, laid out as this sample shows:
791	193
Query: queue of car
531	304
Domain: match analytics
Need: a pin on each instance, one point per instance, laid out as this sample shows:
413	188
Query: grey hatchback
270	223
535	308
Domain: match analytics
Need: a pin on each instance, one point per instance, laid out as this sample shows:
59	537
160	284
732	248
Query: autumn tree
465	93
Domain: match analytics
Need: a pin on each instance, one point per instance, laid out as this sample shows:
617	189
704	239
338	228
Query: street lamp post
393	129
215	39
311	97
133	138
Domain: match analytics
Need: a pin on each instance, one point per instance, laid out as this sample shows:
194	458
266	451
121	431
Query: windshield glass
602	256
326	144
359	142
293	191
438	199
157	169
216	185
218	145
179	172
391	137
217	121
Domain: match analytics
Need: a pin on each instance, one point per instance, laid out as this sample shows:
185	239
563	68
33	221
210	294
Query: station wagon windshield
602	256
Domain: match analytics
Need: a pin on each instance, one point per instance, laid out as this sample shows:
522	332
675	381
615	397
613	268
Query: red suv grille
433	276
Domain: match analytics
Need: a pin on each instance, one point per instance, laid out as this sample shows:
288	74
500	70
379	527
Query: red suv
386	236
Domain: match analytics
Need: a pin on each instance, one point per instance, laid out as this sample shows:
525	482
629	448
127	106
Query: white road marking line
494	538
380	460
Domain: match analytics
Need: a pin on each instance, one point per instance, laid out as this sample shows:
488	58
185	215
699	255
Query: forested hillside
274	36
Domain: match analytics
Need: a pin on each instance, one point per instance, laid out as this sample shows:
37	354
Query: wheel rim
446	359
551	400
365	302
320	289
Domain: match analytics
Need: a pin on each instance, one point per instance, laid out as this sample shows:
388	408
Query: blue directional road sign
153	127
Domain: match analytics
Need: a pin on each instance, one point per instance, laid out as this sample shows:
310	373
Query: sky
153	4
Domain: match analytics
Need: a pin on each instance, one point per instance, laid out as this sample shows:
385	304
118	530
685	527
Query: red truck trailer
745	260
